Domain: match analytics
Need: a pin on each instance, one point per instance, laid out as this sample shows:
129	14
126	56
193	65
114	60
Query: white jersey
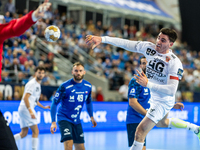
160	68
33	88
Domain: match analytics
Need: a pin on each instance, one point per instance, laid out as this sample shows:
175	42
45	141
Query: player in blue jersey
139	97
72	94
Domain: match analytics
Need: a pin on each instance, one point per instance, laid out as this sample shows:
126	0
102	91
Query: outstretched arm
17	27
44	107
125	44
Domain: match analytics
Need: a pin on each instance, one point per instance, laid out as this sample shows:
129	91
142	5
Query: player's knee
68	147
24	133
35	132
162	124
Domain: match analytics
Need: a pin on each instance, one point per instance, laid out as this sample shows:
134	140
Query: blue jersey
72	96
142	94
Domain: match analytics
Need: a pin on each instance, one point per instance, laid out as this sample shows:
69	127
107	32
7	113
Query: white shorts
25	117
157	111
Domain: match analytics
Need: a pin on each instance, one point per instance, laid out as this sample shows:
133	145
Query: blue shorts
70	131
131	128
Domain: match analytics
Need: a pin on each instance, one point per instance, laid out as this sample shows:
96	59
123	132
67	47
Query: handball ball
52	33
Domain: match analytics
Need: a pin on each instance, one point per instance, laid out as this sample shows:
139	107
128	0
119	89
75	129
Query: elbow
172	92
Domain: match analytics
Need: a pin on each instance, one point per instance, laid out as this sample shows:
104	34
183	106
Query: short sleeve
30	88
134	89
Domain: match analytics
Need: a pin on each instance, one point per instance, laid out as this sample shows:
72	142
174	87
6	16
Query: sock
17	137
177	123
137	146
34	143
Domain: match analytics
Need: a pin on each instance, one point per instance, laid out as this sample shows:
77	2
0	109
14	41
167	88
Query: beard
78	77
144	70
39	78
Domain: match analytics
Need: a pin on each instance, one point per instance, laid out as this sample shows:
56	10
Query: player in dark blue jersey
139	102
72	94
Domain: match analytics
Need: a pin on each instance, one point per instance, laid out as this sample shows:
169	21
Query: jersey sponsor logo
57	95
132	91
74	115
71	99
69	86
78	107
180	73
150	52
79	92
146	91
80	98
66	131
151	73
157	65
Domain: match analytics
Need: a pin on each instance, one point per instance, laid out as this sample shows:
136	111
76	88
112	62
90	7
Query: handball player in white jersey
163	72
26	110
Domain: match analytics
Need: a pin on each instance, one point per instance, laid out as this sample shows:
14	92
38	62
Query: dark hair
40	68
143	57
78	64
170	33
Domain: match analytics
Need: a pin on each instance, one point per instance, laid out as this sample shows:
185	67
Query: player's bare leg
68	145
22	134
143	128
79	146
178	123
35	133
164	122
144	148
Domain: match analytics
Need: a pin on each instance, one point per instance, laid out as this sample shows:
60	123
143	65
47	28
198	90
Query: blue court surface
157	139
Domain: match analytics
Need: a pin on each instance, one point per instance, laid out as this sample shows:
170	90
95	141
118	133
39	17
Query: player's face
143	64
163	43
78	72
40	74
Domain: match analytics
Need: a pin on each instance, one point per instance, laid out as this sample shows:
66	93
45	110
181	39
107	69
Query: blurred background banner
135	5
110	116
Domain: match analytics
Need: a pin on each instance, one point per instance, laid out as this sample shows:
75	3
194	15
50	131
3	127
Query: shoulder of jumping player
175	60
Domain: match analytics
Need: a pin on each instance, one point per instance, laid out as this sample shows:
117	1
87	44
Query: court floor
157	139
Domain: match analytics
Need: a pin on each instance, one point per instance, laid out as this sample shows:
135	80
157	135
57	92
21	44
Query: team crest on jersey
180	73
167	58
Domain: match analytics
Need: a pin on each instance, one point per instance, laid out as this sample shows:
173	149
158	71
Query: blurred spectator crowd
115	64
